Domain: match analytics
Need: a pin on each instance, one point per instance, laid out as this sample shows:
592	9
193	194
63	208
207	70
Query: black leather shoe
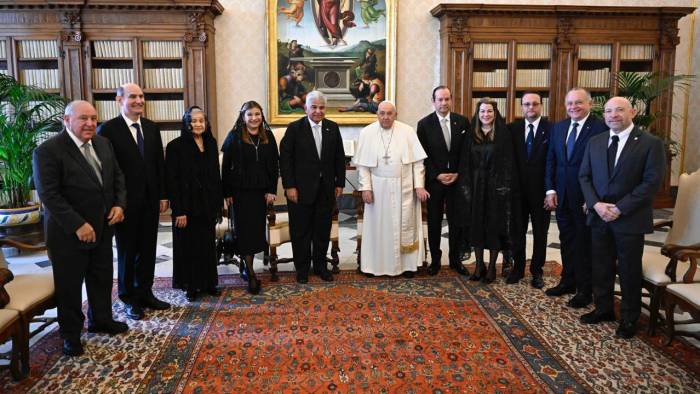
151	302
459	268
408	274
580	300
596	317
434	268
513	278
369	275
326	276
303	279
560	290
214	291
134	312
626	330
111	327
72	348
191	295
537	282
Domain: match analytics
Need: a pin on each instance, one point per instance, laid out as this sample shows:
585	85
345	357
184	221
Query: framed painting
343	48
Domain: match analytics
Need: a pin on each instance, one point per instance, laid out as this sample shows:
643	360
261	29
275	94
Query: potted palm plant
642	89
27	116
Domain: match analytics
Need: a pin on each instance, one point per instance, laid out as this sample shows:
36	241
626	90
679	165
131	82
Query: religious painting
343	48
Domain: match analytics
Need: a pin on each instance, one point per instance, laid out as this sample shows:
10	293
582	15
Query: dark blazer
561	175
72	193
235	172
439	159
145	176
300	165
631	187
531	170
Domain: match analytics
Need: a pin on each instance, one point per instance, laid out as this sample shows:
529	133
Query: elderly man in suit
567	142
312	165
620	173
139	149
82	188
530	137
441	133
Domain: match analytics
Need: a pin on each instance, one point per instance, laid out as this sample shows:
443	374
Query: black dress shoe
72	348
134	312
537	282
326	276
303	279
596	317
626	330
191	295
214	291
434	268
367	274
459	268
580	300
151	302
408	274
513	278
560	290
111	327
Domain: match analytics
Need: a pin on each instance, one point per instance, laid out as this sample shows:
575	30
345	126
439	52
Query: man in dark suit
567	142
620	173
82	188
530	140
312	165
139	149
441	135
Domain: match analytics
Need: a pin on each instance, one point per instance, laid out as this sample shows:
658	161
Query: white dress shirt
129	123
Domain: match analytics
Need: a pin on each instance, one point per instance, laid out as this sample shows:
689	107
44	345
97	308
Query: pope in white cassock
389	161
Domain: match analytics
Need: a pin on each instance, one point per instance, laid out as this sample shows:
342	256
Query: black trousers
70	269
442	201
310	230
136	239
610	247
532	211
575	239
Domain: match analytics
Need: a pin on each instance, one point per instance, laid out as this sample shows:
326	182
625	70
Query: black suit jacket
145	176
561	174
71	192
531	170
633	183
300	165
439	159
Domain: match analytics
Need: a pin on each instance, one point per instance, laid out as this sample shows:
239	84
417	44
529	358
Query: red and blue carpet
428	334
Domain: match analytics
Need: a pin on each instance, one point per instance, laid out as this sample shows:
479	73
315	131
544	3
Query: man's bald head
618	113
386	114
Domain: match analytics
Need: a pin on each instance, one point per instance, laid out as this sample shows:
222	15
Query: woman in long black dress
196	201
250	173
486	187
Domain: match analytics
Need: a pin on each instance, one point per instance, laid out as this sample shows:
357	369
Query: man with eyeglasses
530	137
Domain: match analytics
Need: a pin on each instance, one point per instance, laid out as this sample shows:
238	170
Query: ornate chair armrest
669	249
663	223
22	245
5	277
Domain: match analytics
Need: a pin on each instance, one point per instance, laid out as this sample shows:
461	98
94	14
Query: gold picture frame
344	48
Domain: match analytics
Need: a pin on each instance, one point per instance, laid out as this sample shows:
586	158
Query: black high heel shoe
479	271
253	282
191	295
490	274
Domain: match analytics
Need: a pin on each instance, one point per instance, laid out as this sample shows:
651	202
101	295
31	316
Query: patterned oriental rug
437	334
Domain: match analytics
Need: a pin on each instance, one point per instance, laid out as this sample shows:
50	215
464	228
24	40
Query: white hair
72	104
315	95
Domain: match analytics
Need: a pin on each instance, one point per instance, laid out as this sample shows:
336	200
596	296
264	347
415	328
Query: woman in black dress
196	201
250	173
486	187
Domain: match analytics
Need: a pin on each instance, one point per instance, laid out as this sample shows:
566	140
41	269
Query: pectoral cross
386	158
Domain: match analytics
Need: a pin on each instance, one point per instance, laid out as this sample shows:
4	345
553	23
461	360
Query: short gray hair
315	95
72	104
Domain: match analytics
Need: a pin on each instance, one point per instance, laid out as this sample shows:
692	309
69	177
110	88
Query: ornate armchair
685	296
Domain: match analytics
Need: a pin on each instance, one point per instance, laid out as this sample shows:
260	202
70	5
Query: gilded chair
659	271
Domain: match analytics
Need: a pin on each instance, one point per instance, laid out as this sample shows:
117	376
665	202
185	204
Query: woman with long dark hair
486	184
250	173
196	201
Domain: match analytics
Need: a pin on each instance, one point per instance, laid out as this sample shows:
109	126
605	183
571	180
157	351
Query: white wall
241	64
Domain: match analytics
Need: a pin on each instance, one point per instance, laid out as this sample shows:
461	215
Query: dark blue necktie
530	139
612	154
571	141
139	137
